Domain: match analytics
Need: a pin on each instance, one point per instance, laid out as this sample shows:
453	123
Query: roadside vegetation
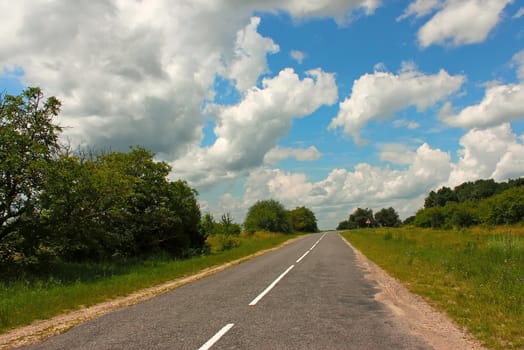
78	227
68	286
476	275
463	252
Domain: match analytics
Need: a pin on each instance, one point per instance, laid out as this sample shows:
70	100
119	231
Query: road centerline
216	337
271	286
303	256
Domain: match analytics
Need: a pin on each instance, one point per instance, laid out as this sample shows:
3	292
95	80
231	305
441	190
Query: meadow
69	286
475	275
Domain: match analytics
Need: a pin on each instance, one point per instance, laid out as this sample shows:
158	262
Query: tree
303	220
29	142
440	198
362	218
346	225
387	217
268	215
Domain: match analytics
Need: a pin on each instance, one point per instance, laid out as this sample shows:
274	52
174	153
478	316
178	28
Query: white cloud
462	22
519	13
280	153
396	153
247	131
491	153
381	94
420	8
297	56
501	103
518	61
343	190
406	123
337	9
250	55
138	72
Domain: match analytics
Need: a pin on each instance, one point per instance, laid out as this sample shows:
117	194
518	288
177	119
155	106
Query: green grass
71	286
476	276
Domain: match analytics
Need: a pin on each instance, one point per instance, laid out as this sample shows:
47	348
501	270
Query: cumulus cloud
247	131
297	56
343	190
337	9
501	103
518	61
396	153
280	153
420	8
138	72
380	95
457	22
250	61
491	153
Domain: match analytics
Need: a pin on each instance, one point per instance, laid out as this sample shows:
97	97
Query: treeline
483	202
265	215
471	203
62	206
361	218
58	205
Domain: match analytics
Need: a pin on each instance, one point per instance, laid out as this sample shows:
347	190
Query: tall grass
69	286
476	276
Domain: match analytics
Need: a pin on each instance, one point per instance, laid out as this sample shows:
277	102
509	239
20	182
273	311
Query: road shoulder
413	311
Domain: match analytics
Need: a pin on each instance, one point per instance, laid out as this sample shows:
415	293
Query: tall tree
362	218
29	142
303	220
387	217
268	215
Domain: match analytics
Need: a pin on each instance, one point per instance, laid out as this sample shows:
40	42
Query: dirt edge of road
43	329
424	321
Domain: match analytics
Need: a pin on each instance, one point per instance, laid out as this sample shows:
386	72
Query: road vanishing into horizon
309	294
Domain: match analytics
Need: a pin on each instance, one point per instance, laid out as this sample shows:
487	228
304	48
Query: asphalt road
308	295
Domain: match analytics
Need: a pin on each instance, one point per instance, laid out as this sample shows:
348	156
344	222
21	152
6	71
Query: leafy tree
409	220
346	225
387	217
303	220
227	226
84	209
29	142
440	198
430	217
362	218
207	225
268	215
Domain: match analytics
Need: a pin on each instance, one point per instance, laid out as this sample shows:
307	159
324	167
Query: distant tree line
362	218
270	215
471	203
474	203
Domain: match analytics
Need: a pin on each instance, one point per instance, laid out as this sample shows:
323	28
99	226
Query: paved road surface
307	295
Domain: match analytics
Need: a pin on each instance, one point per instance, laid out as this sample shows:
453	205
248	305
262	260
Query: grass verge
22	302
476	276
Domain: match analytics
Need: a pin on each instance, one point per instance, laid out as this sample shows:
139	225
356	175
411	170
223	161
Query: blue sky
331	104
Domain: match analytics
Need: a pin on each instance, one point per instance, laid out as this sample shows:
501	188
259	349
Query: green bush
221	242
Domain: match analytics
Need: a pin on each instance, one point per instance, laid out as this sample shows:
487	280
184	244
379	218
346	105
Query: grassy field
71	286
475	275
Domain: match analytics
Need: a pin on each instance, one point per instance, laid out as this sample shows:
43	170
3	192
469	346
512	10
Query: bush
221	242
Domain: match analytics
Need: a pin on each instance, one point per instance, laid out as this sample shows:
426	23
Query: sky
328	104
